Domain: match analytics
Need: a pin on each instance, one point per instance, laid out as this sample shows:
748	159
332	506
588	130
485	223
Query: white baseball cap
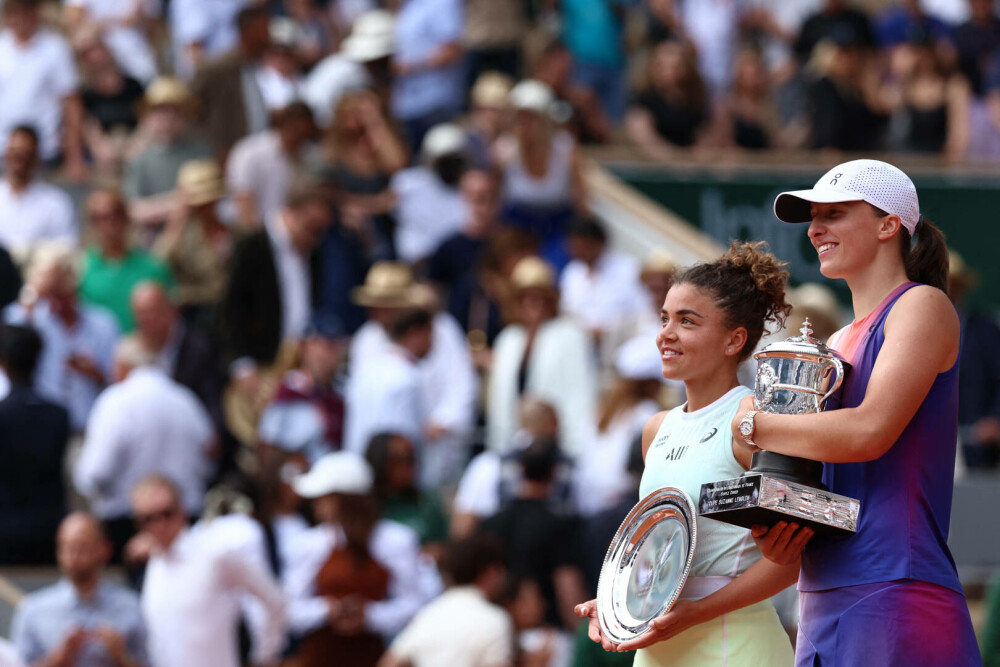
337	472
532	95
443	139
878	183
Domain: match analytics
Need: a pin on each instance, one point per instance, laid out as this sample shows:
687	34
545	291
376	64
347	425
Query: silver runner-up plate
647	564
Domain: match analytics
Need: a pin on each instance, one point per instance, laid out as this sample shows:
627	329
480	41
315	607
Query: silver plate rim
611	627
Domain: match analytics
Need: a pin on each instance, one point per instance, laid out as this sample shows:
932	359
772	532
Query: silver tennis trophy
794	376
647	564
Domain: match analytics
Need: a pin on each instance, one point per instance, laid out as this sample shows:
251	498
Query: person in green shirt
393	458
112	267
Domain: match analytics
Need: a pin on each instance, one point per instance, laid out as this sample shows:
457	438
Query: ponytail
926	260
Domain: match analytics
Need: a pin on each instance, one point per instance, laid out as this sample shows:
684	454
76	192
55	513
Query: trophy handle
837	366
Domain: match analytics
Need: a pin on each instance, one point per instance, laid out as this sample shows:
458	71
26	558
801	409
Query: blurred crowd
308	324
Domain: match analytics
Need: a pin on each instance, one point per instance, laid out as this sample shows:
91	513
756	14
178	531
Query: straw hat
659	261
491	90
167	91
533	272
201	181
388	285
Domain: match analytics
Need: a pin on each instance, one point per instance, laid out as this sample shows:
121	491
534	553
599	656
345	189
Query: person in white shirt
40	86
280	76
430	208
143	424
600	286
385	394
479	632
31	210
79	339
363	60
123	26
355	579
448	378
202	30
261	167
543	355
196	580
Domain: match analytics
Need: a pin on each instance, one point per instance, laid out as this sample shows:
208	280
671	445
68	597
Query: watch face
746	427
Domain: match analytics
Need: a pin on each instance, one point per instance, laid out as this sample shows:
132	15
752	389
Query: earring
729	350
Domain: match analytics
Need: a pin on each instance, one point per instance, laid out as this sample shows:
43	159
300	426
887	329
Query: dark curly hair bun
748	283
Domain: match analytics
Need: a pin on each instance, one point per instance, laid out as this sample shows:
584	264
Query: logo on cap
833	181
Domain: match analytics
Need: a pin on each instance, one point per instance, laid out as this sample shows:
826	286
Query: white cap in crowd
443	139
878	183
532	95
371	37
337	472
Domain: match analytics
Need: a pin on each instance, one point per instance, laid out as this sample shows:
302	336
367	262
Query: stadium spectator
489	116
975	40
33	438
306	416
123	26
85	619
492	38
195	580
195	242
31	210
280	77
163	143
113	266
601	477
836	21
79	339
262	166
672	110
446	374
40	86
362	62
384	392
143	424
594	32
357	580
427	64
201	31
480	632
542	182
540	544
394	463
110	101
543	355
600	286
429	206
587	119
183	351
231	105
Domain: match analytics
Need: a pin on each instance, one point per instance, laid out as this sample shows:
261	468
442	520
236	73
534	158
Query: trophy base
761	499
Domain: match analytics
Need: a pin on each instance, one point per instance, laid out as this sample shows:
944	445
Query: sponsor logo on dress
708	436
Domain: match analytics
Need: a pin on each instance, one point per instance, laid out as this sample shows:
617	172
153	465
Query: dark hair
20	348
464	560
28	130
748	283
408	320
295	111
250	14
588	228
378	458
539	460
926	261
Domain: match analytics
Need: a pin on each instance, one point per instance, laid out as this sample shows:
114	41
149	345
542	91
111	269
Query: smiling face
846	236
694	340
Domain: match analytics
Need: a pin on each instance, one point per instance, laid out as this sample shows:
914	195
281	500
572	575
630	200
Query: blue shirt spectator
898	24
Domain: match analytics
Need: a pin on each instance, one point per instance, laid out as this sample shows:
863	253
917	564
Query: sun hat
879	183
337	472
371	37
532	95
532	273
491	90
167	91
388	285
201	181
443	139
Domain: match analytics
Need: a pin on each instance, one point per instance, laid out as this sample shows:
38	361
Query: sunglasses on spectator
143	520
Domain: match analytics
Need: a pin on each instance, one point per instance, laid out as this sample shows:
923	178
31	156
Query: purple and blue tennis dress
889	595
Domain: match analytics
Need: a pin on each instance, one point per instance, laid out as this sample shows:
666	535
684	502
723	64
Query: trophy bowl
647	564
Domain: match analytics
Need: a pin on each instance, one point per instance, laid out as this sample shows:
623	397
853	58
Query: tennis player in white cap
888	595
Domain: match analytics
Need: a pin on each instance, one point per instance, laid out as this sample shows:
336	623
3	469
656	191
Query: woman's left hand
685	614
746	405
